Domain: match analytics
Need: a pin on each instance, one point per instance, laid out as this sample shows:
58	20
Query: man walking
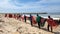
38	19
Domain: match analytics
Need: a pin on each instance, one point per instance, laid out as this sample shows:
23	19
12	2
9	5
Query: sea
53	15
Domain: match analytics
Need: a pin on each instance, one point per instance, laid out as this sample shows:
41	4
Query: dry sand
13	26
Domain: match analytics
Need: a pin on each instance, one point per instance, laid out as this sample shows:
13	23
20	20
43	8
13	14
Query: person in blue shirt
31	19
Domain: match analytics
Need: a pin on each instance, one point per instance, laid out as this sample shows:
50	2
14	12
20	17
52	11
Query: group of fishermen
38	20
50	24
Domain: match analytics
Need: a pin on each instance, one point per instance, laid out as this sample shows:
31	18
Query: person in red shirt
48	24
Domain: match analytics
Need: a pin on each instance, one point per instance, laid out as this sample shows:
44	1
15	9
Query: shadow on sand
47	30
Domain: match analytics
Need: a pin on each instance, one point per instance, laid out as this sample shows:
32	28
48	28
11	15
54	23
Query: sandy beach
14	26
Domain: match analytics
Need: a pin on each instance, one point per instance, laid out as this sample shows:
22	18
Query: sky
25	6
